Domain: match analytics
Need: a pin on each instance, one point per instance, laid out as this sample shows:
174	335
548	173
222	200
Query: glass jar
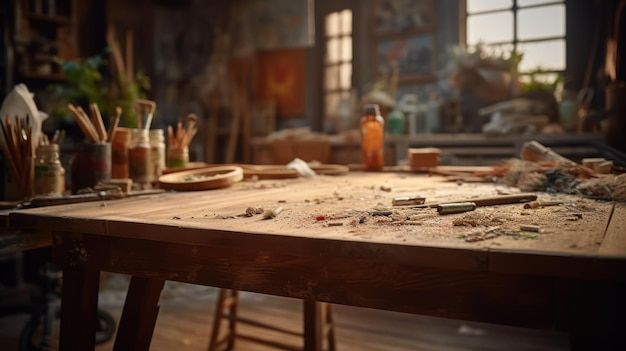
91	164
157	151
177	157
372	138
49	173
140	167
119	153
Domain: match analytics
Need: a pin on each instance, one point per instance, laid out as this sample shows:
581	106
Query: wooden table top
579	238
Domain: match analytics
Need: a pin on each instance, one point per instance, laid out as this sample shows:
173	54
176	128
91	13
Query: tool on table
456	207
485	201
407	200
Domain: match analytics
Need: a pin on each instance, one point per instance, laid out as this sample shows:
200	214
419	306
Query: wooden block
125	184
423	158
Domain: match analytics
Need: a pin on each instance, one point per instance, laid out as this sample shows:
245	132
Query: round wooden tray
201	178
189	167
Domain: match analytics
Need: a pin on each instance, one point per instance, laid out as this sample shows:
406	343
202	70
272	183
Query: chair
317	315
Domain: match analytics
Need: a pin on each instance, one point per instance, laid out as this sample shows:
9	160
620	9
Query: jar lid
371	109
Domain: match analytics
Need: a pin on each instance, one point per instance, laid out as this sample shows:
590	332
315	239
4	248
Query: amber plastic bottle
372	138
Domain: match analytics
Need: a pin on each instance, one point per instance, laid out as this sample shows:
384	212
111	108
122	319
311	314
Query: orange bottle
372	138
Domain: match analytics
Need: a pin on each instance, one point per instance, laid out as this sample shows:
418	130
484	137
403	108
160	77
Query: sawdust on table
365	212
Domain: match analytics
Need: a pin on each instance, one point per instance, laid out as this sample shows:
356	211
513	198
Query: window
337	80
535	28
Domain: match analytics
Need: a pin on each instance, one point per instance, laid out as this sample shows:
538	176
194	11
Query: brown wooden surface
425	268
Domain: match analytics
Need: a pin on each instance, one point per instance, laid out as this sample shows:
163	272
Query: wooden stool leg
224	301
329	328
217	319
232	323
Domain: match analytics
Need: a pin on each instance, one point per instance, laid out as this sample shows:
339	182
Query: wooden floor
186	314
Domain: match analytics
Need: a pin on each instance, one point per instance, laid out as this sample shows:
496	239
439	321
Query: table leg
139	315
79	304
313	338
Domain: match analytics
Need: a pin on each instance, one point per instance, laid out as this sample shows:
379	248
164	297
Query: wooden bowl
202	178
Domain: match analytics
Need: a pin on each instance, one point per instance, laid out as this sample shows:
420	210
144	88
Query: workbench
337	240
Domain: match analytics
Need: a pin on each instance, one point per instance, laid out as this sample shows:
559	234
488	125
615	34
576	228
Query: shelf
59	77
49	19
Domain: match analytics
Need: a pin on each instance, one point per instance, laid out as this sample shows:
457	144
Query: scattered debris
269	214
407	200
334	224
385	188
176	217
530	228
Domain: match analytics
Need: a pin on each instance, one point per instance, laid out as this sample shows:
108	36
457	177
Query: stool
318	325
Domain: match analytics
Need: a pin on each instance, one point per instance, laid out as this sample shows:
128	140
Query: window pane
346	22
548	55
331	78
330	103
332	50
346	48
487	5
332	24
522	3
345	80
490	28
541	22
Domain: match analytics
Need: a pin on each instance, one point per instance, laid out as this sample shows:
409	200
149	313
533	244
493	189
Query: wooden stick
8	154
485	201
96	118
83	123
90	126
115	51
170	137
116	121
129	57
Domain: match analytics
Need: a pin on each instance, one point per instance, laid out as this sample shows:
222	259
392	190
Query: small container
140	167
177	157
372	138
157	151
395	121
49	173
91	164
119	153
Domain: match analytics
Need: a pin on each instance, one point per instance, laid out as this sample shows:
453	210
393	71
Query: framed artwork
281	78
412	56
395	16
405	42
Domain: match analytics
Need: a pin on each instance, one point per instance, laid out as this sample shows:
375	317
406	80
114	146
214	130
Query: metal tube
456	207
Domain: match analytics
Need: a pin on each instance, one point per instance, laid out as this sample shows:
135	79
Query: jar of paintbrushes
92	162
178	142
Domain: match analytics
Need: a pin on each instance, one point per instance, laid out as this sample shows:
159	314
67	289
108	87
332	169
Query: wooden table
571	276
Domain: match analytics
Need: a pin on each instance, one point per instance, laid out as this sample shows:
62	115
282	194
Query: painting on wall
393	16
404	33
281	78
412	56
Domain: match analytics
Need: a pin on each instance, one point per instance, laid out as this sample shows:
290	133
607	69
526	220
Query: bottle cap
371	109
